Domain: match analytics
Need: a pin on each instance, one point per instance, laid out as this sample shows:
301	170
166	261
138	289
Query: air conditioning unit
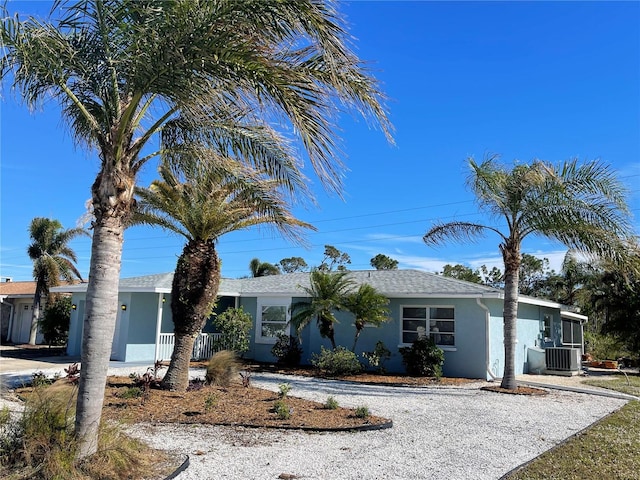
562	358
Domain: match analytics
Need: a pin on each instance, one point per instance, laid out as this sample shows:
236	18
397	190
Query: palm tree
369	307
202	204
121	70
327	293
262	269
53	260
582	206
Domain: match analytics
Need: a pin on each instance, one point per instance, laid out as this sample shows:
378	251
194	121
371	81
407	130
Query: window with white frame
273	318
436	321
547	321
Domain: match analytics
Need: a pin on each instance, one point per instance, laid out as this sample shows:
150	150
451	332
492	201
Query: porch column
158	326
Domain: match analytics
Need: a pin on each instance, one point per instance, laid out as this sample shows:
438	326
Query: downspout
487	339
158	327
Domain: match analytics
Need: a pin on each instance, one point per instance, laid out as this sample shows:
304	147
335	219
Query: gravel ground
438	433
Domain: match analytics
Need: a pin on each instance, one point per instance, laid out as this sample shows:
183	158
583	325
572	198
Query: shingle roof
17	288
392	283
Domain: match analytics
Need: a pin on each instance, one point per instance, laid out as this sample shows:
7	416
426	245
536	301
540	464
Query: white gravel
438	433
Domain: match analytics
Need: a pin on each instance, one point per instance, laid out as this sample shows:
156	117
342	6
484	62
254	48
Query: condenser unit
562	358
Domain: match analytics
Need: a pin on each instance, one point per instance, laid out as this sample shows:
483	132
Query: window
546	327
437	322
571	333
273	318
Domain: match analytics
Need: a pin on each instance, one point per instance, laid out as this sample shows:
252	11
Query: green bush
234	324
222	368
287	350
284	389
423	358
54	323
604	347
362	412
331	403
282	410
337	362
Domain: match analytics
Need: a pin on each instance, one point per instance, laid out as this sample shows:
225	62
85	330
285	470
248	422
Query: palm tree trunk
99	326
35	315
355	339
177	376
112	194
511	256
193	294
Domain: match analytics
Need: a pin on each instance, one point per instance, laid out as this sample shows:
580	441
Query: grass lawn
610	449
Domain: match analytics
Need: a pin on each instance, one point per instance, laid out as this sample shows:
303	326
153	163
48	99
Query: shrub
423	358
234	324
337	362
284	389
54	323
210	402
131	392
222	368
282	410
604	347
362	412
331	403
378	357
287	350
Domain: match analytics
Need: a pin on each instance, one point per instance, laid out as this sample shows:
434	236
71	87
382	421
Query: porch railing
204	347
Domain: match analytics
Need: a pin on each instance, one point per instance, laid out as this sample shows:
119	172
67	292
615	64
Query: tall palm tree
120	70
369	306
53	260
202	204
327	293
582	206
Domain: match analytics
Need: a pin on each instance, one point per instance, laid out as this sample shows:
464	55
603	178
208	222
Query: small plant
282	410
284	389
337	362
195	385
131	392
73	373
378	357
246	378
40	379
362	412
210	402
222	368
287	350
331	403
423	358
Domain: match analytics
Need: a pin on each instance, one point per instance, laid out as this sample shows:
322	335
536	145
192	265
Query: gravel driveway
438	433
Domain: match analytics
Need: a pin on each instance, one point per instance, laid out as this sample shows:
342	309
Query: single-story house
16	311
465	320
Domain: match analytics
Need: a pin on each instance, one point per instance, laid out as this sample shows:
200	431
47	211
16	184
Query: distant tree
369	306
492	278
334	258
461	272
53	260
293	264
583	206
533	272
327	293
262	269
382	262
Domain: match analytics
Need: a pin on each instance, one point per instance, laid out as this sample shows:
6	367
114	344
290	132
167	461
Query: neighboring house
16	302
464	319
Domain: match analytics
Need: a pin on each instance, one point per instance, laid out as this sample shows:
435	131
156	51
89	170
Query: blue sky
549	80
